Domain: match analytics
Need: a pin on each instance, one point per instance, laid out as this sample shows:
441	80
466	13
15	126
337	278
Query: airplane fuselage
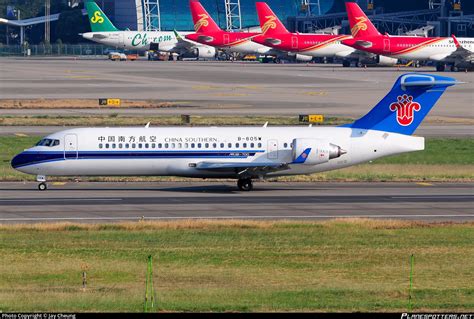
315	45
412	48
182	151
136	40
238	42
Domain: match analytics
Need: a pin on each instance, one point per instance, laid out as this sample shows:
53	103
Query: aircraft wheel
43	186
245	185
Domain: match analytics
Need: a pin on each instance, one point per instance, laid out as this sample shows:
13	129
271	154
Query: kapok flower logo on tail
405	108
360	25
202	22
269	24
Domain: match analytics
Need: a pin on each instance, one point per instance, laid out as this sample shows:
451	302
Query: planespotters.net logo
437	316
405	108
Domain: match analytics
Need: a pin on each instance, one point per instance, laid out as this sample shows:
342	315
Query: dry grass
81	104
210	225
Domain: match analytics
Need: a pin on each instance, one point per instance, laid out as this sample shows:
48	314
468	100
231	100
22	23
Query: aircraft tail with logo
360	24
203	22
98	20
269	21
406	105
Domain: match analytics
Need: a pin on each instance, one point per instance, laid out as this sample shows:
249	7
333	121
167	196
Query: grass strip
350	265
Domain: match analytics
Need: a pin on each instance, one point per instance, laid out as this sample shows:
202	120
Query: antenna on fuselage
265	125
147	125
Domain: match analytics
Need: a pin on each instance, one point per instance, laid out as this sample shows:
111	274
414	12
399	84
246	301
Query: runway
114	202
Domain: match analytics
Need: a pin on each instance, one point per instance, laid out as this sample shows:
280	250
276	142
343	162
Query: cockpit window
48	142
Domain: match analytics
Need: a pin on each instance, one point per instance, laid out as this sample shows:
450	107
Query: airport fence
53	50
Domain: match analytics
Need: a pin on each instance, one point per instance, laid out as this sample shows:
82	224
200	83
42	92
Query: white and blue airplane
243	153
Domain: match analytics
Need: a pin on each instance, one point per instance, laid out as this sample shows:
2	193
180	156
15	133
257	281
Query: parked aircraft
457	53
104	32
209	33
275	35
243	153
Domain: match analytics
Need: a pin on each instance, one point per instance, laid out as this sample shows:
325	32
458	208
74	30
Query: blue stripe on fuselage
33	158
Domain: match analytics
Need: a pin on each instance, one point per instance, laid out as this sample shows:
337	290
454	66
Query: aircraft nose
16	161
19	160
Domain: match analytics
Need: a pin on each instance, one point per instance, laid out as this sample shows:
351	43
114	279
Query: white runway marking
62	200
432	197
234	217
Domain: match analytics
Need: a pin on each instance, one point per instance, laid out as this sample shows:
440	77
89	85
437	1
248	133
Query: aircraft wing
185	44
461	53
243	168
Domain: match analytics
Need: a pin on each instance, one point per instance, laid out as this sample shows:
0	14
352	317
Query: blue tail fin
406	105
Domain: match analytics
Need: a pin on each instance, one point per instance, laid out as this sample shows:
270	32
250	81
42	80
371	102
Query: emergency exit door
70	146
272	149
294	42
386	45
226	39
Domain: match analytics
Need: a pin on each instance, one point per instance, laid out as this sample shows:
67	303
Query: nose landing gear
42	185
245	184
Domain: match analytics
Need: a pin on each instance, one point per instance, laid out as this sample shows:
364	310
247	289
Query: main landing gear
42	185
245	184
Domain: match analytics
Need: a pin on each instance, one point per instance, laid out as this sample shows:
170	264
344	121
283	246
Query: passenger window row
176	145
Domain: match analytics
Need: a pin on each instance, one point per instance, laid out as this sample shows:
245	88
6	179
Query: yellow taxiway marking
425	184
88	77
21	135
59	183
230	94
320	93
206	87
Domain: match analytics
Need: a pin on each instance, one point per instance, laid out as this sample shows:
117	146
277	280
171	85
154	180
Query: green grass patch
357	265
443	160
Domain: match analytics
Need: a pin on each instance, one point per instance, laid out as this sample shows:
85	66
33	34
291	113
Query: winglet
176	34
456	42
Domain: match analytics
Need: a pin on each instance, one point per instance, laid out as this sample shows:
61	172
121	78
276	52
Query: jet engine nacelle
205	53
311	151
379	60
383	60
303	58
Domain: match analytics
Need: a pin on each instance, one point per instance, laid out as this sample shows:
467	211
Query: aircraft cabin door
386	45
272	149
226	39
122	39
70	147
294	42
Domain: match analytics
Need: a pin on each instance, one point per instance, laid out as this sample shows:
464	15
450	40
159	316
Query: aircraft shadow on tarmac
212	189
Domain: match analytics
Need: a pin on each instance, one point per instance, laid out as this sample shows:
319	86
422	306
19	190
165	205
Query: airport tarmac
225	88
112	202
426	130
